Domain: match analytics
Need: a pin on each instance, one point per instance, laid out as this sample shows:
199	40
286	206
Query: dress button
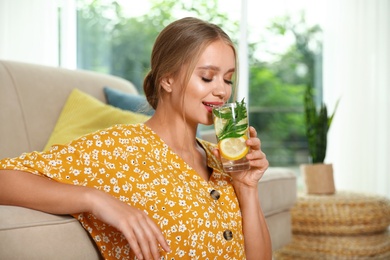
228	235
215	194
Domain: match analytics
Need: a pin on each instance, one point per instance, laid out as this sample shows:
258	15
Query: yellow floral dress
200	219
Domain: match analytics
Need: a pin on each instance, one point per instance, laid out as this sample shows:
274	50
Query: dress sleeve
84	161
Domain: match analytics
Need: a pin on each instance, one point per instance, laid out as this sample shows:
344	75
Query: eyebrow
215	68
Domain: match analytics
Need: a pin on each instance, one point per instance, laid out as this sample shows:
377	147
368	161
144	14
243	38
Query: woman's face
210	83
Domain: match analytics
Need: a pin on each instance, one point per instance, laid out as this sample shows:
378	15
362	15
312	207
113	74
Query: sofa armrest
31	234
277	190
278	194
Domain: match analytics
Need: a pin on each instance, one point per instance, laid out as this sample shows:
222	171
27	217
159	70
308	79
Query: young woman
153	190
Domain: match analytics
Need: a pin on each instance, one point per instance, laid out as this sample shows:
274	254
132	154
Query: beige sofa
31	98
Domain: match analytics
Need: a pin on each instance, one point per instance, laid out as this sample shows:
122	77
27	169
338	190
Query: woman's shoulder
122	129
119	132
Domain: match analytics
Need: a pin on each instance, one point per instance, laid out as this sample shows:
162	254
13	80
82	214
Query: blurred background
340	48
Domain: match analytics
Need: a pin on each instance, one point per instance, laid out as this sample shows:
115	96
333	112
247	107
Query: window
284	54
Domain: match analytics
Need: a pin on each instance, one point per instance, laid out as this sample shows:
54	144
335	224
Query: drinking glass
231	129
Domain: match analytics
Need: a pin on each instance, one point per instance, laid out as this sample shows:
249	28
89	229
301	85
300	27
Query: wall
27	29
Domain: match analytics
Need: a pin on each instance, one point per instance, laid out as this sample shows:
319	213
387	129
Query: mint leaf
233	128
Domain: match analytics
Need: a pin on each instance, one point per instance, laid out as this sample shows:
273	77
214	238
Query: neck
175	133
181	139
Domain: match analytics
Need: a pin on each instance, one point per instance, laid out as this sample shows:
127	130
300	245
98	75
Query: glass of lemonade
231	128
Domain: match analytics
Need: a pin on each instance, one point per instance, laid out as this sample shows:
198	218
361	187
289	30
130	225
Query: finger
131	239
261	164
216	152
252	131
159	236
256	155
147	243
149	235
141	239
254	142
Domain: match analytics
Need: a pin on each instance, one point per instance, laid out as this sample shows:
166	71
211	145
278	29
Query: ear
167	83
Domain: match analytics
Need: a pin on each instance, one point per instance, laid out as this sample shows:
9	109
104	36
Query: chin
208	122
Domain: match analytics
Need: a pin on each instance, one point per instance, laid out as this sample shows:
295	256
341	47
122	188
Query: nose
220	89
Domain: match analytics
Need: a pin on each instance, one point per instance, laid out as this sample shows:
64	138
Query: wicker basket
374	246
344	213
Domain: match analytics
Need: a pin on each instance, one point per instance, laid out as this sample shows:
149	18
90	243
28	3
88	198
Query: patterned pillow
83	114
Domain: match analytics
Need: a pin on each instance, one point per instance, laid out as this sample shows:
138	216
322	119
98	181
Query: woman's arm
24	189
245	183
255	229
31	191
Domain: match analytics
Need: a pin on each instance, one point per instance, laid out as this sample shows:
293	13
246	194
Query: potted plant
318	176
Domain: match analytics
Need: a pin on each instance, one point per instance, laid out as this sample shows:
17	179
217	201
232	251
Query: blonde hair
178	46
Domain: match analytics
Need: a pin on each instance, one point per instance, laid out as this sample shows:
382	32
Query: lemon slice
233	148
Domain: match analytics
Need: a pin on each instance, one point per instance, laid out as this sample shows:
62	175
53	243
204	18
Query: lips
210	105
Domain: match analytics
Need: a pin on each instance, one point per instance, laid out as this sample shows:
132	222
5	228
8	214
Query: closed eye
228	82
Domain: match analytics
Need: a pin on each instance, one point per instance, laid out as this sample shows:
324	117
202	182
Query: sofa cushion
32	97
127	101
83	114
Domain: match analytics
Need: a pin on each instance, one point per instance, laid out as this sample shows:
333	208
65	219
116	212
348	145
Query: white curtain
357	70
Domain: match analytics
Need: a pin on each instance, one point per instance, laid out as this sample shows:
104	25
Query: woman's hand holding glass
257	161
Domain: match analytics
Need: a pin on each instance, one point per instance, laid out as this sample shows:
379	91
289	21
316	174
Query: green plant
317	126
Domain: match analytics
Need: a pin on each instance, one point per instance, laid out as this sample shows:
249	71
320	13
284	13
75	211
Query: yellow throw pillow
83	114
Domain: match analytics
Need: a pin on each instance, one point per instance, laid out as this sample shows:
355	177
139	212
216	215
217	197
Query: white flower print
52	162
126	167
165	222
173	229
164	181
125	187
182	227
181	253
134	198
107	142
113	181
